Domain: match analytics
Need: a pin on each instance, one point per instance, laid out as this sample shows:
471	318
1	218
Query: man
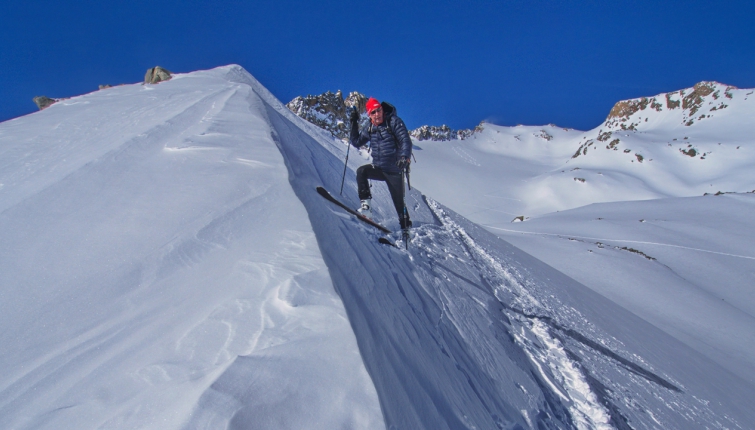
391	149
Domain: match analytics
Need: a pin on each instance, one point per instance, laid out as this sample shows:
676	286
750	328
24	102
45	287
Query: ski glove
403	162
354	116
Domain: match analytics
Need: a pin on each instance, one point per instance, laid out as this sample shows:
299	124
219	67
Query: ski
385	241
323	192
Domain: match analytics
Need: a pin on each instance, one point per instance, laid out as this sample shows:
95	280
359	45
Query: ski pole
404	215
345	163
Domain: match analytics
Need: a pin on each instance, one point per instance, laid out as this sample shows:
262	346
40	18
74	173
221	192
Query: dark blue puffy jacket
389	141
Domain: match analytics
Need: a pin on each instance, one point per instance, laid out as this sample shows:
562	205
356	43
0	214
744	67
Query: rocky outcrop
329	111
542	134
157	74
44	102
690	100
688	107
442	133
694	99
431	132
627	108
356	99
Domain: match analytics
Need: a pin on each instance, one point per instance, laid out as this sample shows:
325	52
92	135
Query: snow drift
151	248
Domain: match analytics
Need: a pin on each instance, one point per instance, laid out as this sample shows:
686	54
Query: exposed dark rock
671	104
328	110
542	134
44	102
694	99
156	74
627	108
356	99
443	133
582	150
431	132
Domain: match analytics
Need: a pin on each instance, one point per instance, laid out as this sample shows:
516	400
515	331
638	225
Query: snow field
182	272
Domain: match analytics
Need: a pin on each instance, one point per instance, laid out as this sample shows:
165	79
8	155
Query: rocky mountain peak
670	114
690	101
329	111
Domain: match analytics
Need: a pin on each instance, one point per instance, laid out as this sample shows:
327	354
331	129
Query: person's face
376	115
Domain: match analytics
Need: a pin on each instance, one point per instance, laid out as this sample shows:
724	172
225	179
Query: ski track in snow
541	329
585	409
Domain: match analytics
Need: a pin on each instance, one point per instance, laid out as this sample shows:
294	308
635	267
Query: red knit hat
372	104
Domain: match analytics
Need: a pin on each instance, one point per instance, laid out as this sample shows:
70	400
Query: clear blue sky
452	62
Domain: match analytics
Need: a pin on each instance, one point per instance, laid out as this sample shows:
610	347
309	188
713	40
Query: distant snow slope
684	264
644	150
163	274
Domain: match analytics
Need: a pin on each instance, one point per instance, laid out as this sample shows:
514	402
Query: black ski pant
395	184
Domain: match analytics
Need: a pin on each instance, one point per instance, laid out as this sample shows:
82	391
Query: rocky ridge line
329	111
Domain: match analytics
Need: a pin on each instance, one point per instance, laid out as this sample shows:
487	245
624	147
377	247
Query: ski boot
366	208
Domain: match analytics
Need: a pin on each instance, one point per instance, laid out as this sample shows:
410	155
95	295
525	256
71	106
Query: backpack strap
390	130
389	126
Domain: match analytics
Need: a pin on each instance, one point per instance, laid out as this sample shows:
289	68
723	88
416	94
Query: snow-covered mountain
685	143
166	263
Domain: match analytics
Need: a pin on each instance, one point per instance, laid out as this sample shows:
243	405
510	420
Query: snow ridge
152	249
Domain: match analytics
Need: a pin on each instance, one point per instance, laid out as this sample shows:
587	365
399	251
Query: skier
391	149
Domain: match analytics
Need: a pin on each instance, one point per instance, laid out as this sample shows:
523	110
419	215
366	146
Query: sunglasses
374	111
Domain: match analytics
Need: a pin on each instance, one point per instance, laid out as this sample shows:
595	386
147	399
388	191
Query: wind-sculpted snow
158	272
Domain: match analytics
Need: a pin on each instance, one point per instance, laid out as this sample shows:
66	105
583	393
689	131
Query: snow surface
684	264
158	271
166	263
646	237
